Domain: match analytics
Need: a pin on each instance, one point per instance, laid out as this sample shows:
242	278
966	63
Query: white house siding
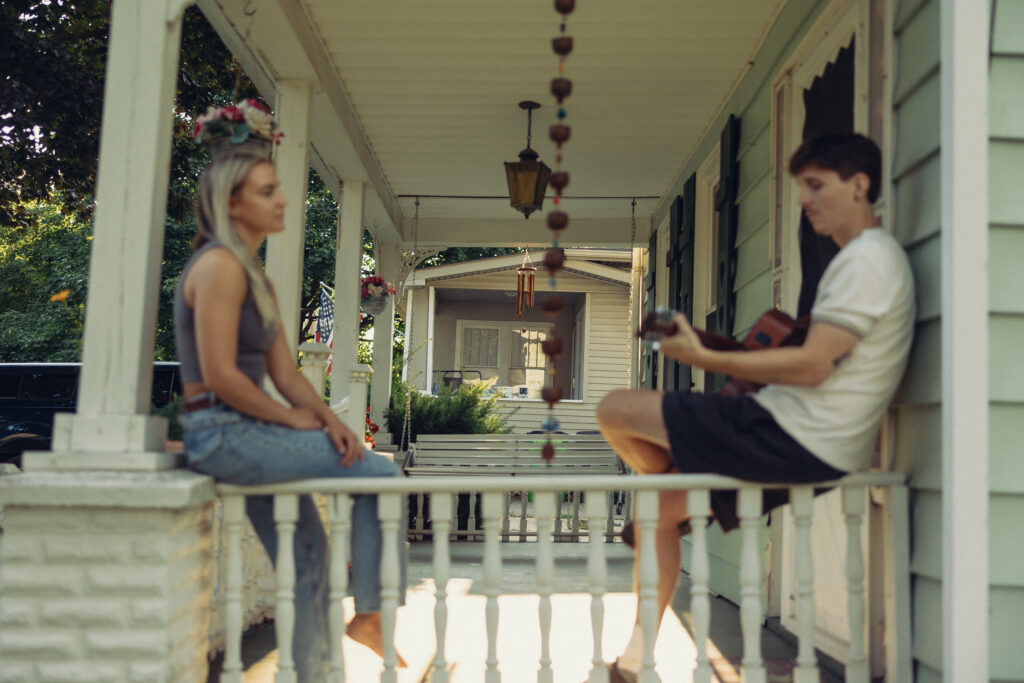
917	409
606	368
1006	315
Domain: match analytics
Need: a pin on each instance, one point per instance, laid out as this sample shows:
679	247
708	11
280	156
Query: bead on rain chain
557	220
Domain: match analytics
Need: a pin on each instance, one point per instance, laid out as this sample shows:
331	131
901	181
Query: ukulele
773	329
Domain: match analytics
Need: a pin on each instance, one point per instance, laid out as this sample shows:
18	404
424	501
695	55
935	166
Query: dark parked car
31	393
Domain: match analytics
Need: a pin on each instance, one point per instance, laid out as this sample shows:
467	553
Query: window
510	352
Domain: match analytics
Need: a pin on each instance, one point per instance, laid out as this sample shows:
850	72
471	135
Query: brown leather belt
207	400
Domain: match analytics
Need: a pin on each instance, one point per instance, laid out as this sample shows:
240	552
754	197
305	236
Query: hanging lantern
528	177
524	286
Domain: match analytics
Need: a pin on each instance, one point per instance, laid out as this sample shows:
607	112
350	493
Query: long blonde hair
217	184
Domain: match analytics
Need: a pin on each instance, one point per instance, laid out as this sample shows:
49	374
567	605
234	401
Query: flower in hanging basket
374	293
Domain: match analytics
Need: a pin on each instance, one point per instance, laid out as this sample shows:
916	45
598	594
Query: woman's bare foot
365	629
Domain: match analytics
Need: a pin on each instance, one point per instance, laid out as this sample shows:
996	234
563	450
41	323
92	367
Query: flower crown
249	120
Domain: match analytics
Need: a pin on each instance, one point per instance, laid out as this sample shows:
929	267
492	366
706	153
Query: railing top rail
456	484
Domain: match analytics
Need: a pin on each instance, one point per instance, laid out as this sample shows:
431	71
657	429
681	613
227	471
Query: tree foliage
49	260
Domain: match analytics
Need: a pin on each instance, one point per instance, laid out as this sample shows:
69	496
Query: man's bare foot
365	629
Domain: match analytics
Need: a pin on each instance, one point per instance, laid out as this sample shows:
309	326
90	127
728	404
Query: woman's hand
683	346
301	417
347	443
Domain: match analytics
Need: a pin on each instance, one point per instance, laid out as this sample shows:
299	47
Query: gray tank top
253	339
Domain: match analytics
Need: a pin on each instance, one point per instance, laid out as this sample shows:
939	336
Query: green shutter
649	359
680	268
726	205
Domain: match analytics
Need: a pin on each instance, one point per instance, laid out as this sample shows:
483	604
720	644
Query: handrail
454	484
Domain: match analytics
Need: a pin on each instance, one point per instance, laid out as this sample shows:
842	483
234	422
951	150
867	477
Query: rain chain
557	220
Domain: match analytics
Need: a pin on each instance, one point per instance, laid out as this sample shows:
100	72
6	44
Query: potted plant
375	291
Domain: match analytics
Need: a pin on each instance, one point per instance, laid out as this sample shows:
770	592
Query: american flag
325	322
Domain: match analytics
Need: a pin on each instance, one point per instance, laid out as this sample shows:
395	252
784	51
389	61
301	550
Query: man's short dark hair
845	153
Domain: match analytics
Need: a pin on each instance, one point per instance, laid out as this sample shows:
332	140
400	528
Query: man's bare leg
632	423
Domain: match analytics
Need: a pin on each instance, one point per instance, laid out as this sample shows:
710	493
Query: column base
81	461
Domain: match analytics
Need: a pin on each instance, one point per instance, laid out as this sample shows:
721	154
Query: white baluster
853	508
340	514
234	518
802	499
609	522
558	515
647	578
576	495
597	575
441	514
471	524
492	579
698	504
523	497
420	525
286	513
627	506
389	510
506	515
750	508
545	508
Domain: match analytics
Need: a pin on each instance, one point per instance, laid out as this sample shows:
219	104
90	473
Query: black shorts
736	437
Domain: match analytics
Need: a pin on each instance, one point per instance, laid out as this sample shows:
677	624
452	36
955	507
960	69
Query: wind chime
557	220
524	287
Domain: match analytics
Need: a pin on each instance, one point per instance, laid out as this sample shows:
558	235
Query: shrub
466	410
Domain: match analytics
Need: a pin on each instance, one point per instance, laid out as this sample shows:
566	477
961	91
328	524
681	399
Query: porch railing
392	514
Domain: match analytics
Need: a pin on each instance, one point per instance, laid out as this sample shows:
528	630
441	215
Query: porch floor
518	630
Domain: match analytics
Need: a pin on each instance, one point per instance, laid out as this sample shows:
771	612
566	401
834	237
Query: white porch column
346	285
388	254
112	428
414	368
964	129
285	250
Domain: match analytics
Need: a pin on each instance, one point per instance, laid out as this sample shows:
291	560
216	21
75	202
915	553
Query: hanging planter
374	294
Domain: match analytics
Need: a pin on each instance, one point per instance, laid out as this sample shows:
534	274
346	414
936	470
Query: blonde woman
229	338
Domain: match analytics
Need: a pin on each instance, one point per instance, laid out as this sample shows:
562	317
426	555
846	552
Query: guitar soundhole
763	338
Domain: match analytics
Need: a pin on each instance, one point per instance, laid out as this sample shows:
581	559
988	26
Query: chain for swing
407	351
629	319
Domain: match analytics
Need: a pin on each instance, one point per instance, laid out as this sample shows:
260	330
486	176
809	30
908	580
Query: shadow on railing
495	492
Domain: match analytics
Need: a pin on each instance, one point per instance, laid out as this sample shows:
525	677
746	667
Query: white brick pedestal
105	576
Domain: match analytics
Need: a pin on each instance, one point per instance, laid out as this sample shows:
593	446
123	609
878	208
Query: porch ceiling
419	98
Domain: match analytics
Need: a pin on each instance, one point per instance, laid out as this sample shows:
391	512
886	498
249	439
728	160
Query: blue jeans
237	449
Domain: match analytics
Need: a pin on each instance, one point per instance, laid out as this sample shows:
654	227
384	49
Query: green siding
1007	36
1006	98
1006	325
1005	464
919	52
927	557
918	130
922	383
917	214
918	443
1005	164
926	612
1005	625
926	262
918	202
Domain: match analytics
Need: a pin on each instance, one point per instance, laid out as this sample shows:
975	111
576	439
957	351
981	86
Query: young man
818	416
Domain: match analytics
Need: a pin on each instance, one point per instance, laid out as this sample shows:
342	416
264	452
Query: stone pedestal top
168	489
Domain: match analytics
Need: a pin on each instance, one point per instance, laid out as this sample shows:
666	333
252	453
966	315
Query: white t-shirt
868	289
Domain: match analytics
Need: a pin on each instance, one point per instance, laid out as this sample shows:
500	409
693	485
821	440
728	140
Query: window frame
504	328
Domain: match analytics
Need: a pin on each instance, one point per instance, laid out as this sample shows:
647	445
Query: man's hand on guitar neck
807	365
684	346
